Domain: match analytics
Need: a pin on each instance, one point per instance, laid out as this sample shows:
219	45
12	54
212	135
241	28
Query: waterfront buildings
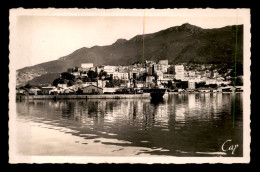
92	89
179	72
46	90
160	68
120	75
138	76
110	69
62	85
168	76
191	84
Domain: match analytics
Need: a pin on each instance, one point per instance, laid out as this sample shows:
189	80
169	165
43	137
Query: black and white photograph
129	86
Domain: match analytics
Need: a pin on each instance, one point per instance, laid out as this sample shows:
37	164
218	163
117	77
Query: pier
98	96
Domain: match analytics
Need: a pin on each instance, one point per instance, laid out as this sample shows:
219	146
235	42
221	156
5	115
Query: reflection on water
179	125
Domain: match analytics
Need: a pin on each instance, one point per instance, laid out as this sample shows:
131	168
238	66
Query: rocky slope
185	43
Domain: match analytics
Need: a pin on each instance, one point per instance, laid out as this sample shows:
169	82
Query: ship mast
143	39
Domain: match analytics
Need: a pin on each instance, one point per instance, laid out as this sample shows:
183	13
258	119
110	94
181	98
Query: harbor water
179	125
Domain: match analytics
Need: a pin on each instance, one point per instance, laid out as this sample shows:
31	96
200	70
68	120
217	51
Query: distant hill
44	79
185	43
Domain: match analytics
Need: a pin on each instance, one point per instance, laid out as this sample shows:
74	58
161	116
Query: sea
181	125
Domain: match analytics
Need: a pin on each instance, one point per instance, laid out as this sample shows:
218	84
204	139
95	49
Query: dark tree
102	73
213	85
79	91
109	77
169	84
239	69
184	84
70	70
200	84
28	86
110	84
86	79
70	83
56	82
222	71
223	85
239	81
76	69
144	76
92	74
68	76
176	80
178	85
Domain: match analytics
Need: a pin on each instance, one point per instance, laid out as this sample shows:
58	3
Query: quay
98	96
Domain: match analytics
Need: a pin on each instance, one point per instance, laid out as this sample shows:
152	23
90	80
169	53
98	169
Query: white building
87	65
87	84
122	68
161	68
110	69
150	78
179	72
192	73
101	83
163	62
191	84
120	75
160	75
139	85
211	81
110	90
62	86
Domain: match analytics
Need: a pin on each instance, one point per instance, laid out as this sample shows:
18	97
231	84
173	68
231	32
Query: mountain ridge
185	43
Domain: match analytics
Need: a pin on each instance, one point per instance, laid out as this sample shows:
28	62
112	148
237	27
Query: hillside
44	79
185	43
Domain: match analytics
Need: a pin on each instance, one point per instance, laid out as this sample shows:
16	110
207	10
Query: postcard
167	86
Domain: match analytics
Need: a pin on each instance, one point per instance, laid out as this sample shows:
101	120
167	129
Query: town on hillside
136	78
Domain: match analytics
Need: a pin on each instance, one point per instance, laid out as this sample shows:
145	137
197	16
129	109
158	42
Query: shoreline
97	96
107	96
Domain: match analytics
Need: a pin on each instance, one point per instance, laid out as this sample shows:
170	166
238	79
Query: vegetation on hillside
186	43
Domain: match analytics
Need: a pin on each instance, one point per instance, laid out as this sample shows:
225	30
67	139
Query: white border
241	13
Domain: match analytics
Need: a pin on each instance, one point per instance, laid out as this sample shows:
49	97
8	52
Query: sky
40	39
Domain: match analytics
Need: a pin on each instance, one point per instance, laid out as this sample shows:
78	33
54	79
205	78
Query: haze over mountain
185	43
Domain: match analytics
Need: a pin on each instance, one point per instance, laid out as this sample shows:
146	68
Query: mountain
185	43
44	79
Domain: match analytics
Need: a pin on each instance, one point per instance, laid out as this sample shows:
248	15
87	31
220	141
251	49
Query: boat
156	93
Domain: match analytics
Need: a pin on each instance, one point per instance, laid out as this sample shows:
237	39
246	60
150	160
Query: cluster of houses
137	77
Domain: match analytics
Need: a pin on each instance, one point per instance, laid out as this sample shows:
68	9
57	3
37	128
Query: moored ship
156	93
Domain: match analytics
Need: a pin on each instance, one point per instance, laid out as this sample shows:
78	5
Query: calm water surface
180	125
